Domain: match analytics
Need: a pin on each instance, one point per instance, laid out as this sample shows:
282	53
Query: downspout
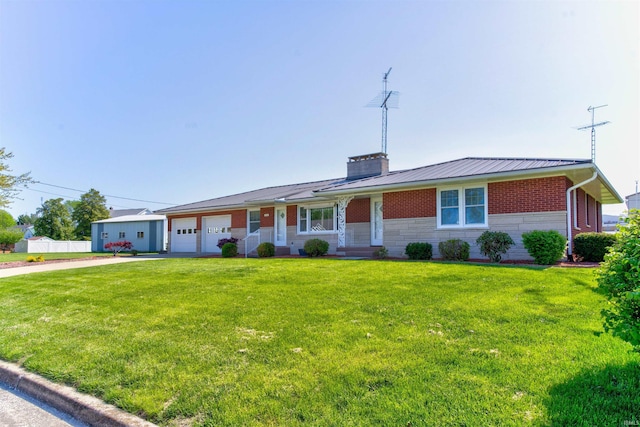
569	219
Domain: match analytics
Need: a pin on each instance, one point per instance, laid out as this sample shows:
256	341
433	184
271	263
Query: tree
27	219
54	220
9	237
9	183
91	207
619	278
116	247
6	220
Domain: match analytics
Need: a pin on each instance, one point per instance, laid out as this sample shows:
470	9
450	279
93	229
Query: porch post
342	220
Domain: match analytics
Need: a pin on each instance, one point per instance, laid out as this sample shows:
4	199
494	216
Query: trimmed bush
619	278
316	247
32	258
454	250
494	244
381	253
229	250
546	247
266	249
592	247
419	250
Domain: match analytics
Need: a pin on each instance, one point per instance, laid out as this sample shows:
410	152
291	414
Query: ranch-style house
373	207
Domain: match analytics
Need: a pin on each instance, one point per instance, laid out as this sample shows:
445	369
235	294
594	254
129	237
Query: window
121	235
587	216
316	219
254	221
140	234
104	235
462	207
178	231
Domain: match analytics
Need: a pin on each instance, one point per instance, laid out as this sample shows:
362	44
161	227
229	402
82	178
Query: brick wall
359	210
528	195
267	216
292	215
409	204
586	214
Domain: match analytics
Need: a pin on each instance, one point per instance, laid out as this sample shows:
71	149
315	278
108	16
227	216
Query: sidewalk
38	268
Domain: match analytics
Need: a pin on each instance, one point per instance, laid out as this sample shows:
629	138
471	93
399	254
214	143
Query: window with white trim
121	235
104	235
254	221
317	219
140	234
587	210
462	207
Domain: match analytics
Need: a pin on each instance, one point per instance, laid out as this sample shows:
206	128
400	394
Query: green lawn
326	342
10	257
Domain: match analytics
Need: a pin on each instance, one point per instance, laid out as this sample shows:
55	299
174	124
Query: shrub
229	250
592	247
381	253
419	250
546	247
222	242
316	247
454	250
619	278
266	249
493	244
116	247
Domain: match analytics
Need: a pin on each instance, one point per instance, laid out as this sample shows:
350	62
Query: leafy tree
9	237
54	220
9	183
26	219
91	207
6	220
619	278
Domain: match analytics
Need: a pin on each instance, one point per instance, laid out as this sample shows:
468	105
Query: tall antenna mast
385	100
593	126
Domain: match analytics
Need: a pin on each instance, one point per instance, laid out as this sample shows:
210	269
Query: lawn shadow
606	397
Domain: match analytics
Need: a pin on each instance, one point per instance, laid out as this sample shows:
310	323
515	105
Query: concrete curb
82	407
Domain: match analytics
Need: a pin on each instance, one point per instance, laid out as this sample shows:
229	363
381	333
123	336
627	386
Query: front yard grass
326	342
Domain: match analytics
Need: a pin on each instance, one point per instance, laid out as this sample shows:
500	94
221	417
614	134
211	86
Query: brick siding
359	210
528	195
409	204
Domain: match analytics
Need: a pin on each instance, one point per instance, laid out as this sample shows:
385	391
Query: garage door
215	228
183	235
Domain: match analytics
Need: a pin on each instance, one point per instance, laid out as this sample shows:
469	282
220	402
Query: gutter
569	219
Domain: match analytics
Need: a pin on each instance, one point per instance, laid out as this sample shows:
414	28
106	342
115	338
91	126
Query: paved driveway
38	267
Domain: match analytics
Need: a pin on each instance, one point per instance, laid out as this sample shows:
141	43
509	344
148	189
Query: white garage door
215	228
183	235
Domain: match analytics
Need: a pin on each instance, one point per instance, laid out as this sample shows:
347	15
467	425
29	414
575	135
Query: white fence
49	246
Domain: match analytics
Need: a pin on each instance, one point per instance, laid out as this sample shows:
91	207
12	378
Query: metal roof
468	168
131	218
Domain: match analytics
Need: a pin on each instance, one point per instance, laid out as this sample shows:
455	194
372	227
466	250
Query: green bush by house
316	247
454	250
592	247
546	247
494	244
229	250
266	249
419	250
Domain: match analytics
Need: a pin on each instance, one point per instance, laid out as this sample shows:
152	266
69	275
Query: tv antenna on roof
593	126
385	100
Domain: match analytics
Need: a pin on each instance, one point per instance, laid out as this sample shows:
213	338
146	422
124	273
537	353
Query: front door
281	227
376	221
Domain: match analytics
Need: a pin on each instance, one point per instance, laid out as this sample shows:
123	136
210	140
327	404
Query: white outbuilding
148	233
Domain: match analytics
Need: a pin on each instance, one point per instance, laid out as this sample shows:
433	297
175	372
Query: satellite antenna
593	126
385	100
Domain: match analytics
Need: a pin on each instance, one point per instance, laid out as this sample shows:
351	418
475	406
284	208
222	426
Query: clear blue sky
181	101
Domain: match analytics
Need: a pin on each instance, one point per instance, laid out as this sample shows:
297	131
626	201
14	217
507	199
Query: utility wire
106	195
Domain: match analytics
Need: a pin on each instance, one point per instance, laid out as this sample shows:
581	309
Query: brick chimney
367	165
